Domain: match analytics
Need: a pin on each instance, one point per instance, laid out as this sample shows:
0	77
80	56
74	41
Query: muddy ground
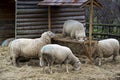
31	70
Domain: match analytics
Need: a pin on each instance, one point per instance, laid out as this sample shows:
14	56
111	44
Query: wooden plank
64	9
32	24
45	19
37	15
32	20
24	32
27	2
106	25
49	18
30	7
31	11
69	17
68	14
28	36
31	27
106	34
30	31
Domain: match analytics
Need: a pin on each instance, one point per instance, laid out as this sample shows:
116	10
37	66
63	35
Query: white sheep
29	48
105	49
7	41
74	29
54	53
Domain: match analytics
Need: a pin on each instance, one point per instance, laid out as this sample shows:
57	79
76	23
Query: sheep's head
80	35
48	33
51	34
76	65
46	36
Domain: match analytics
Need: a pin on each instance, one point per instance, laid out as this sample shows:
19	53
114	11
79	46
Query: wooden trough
77	47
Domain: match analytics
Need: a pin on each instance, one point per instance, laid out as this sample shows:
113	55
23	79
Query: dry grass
108	71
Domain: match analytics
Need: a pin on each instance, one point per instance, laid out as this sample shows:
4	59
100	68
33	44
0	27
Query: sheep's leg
14	59
99	61
67	68
17	61
50	60
72	35
114	58
115	55
50	64
64	33
50	67
42	62
60	67
44	69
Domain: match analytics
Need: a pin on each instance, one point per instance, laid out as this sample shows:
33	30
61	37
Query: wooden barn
7	19
28	18
32	17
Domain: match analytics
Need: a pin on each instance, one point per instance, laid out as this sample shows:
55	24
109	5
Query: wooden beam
85	45
90	26
85	4
72	41
97	4
88	3
49	18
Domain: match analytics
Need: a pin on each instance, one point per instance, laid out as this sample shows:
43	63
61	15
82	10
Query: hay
108	71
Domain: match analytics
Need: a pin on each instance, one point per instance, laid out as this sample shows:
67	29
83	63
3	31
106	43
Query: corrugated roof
61	2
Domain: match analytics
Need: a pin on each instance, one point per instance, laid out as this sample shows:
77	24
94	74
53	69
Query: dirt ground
31	70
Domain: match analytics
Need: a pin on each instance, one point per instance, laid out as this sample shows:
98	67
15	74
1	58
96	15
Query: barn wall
7	20
32	20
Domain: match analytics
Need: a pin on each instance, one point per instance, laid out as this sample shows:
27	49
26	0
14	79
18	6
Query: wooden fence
103	31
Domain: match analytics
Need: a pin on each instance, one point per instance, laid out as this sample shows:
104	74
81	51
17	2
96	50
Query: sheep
7	41
29	48
74	29
54	53
105	49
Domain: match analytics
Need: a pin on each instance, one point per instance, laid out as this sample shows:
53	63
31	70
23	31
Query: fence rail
103	31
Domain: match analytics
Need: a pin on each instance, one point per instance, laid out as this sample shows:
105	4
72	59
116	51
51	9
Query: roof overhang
95	3
61	2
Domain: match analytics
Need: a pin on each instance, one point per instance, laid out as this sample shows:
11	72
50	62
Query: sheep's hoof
67	72
51	72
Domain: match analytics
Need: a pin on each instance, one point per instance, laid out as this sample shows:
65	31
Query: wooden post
90	26
49	18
